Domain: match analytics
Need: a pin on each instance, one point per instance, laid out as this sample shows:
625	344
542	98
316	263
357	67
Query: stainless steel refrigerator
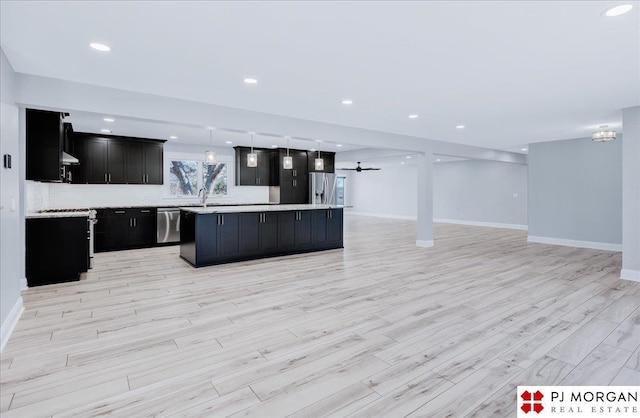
322	188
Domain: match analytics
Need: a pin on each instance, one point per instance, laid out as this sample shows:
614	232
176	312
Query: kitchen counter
256	208
70	214
167	205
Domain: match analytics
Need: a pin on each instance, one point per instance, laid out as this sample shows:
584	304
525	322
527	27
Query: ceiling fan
359	169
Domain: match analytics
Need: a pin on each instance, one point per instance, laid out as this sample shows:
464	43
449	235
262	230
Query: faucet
203	192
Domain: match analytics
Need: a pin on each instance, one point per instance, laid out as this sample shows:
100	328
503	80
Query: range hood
68	159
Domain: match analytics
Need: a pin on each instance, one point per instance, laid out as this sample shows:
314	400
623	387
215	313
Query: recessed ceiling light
524	149
459	126
312	150
408	157
99	47
413	116
106	131
250	81
402	162
347	102
338	145
108	119
438	159
274	146
617	10
173	137
228	142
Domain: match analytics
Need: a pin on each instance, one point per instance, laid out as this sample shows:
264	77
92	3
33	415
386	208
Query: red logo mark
532	402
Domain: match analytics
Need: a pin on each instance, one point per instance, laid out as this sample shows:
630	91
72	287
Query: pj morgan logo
578	401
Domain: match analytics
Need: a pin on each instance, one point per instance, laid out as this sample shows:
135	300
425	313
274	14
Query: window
187	177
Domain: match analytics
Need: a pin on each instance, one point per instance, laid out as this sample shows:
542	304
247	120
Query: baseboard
424	244
10	323
574	243
382	215
477	223
627	274
24	284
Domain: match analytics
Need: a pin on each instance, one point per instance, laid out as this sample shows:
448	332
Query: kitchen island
224	234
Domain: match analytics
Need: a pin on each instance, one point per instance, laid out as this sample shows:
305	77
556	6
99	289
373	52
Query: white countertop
34	215
255	208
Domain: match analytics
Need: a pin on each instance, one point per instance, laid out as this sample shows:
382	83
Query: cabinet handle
130	223
145	210
118	211
109	177
105	178
222	219
135	223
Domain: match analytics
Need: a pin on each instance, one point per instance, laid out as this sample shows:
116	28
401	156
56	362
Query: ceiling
513	72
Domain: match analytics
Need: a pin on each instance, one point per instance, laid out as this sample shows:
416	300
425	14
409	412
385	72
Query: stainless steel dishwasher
168	225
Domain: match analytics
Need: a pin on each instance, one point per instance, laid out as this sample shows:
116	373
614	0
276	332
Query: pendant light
252	157
287	161
210	157
319	163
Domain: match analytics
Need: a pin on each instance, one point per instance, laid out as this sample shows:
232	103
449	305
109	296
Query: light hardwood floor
381	328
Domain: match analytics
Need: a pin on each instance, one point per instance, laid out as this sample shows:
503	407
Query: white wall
391	192
483	192
11	270
575	193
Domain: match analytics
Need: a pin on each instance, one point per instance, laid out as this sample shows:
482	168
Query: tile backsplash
58	195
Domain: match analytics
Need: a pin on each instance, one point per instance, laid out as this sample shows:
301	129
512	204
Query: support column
425	199
631	194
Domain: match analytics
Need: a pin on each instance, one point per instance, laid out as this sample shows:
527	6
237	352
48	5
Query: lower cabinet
207	239
57	249
125	228
327	227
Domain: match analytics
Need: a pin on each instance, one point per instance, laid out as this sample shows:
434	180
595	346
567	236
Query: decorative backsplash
58	195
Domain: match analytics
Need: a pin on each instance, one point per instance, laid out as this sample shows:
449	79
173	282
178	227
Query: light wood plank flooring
381	328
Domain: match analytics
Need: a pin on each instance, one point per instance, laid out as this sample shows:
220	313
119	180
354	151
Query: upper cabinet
45	140
254	176
329	161
118	160
294	182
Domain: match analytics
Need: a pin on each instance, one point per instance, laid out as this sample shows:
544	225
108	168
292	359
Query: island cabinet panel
216	238
269	233
229	235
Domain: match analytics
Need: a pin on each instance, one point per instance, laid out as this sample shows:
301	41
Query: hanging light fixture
287	161
210	157
319	163
252	157
604	135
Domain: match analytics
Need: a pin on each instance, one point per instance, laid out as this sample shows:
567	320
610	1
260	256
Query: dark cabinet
143	163
294	229
104	161
207	239
294	183
259	232
127	228
327	226
229	234
253	176
117	160
57	249
45	136
329	161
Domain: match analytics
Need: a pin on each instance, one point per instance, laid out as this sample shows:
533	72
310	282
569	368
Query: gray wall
480	191
631	194
575	190
10	219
